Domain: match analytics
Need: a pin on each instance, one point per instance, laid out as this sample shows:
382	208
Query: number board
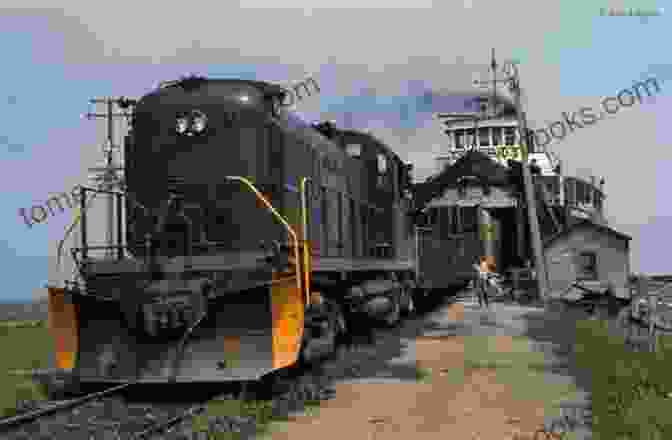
488	232
514	152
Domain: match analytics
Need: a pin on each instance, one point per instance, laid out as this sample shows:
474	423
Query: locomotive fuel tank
376	299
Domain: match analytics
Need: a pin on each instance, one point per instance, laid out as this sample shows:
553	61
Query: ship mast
512	80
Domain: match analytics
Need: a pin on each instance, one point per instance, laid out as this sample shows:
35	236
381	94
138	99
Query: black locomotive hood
196	88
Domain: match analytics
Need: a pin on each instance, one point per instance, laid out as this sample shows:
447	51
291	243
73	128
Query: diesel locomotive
247	241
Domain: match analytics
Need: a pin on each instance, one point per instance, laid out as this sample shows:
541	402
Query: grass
22	324
261	410
517	365
24	346
630	389
423	375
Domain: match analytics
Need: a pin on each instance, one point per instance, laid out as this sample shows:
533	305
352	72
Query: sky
385	67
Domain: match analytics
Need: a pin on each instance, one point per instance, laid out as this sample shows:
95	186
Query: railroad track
110	414
101	415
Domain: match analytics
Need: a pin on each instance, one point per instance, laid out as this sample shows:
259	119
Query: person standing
483	271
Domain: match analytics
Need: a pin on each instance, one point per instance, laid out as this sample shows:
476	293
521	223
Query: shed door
561	271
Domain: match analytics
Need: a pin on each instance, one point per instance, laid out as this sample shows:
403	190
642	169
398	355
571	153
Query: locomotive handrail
304	235
284	222
82	213
96	190
69	230
105	247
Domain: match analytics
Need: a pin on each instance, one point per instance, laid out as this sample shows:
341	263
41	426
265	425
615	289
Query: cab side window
586	266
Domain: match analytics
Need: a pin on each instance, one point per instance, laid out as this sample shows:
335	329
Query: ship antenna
493	67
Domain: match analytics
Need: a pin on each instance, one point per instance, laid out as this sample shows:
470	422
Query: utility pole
106	177
513	81
537	246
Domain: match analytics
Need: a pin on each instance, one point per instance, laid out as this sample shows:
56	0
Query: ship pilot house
474	206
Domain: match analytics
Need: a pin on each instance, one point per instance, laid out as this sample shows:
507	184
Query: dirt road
457	372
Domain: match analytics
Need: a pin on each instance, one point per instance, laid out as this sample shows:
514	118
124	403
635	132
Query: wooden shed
596	256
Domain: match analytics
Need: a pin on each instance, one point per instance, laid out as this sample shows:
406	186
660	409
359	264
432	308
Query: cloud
309	8
151	32
377	64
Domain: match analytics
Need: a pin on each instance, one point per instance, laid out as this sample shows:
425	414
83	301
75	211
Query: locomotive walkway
453	372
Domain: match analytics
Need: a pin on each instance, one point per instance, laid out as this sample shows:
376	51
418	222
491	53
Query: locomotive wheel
392	319
409	304
335	327
332	332
339	317
310	350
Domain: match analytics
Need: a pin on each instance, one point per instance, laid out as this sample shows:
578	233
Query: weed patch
261	411
23	348
9	324
513	360
630	389
423	375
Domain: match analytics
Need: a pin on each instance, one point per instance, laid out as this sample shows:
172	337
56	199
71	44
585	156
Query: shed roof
472	163
584	224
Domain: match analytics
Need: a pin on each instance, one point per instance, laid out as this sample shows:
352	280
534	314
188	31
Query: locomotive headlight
182	125
191	124
199	121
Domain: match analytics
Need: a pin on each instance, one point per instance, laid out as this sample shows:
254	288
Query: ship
474	206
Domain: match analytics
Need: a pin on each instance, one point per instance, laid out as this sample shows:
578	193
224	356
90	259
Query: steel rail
163	426
34	415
